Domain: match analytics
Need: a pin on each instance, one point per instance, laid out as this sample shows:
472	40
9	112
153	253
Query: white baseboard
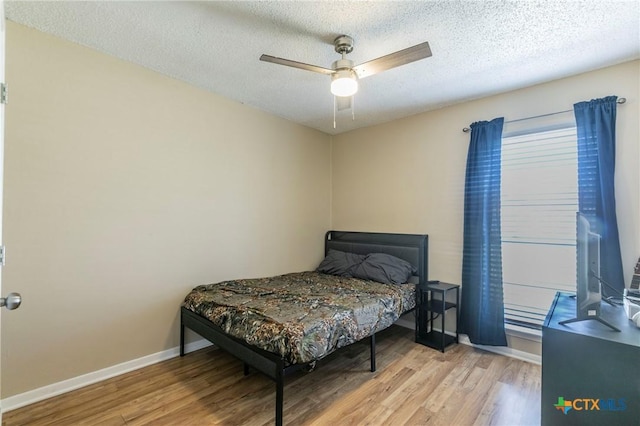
503	350
45	392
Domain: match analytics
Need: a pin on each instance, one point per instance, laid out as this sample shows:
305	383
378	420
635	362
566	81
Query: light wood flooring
414	385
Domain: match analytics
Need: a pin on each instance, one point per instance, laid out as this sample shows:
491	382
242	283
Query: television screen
588	269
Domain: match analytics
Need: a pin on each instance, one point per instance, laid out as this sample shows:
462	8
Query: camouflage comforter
301	316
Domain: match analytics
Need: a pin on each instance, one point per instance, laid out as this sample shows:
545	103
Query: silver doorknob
12	301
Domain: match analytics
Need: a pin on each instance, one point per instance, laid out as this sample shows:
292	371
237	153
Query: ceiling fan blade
392	60
295	64
343	102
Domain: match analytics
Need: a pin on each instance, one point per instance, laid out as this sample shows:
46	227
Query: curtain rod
467	129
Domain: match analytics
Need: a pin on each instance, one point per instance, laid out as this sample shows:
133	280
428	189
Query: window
539	204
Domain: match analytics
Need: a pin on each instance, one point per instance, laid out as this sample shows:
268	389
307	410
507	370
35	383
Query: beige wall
408	175
123	190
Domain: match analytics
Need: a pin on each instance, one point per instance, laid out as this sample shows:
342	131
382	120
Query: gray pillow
380	267
340	263
384	268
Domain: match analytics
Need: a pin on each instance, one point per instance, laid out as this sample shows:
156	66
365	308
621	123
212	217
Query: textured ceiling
479	48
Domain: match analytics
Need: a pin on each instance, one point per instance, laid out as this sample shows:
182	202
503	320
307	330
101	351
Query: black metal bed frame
410	247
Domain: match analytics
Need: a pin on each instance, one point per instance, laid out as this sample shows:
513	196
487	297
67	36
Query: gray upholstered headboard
411	247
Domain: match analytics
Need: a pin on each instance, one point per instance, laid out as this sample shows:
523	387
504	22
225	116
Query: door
2	38
12	301
2	35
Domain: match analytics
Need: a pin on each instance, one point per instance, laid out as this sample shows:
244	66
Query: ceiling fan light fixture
344	83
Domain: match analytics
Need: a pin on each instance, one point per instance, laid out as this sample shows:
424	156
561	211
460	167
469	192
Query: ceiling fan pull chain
353	108
335	101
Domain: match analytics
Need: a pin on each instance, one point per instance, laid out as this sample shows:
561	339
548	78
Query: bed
280	324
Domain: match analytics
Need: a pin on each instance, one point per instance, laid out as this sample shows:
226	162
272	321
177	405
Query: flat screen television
588	293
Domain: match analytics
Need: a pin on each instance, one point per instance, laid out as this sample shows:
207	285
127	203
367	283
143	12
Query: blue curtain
596	125
482	305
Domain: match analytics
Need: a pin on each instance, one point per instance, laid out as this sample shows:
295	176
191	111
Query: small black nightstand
431	302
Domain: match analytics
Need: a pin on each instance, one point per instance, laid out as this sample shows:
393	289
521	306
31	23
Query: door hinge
3	93
3	253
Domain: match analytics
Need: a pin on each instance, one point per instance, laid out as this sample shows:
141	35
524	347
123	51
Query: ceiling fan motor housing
343	44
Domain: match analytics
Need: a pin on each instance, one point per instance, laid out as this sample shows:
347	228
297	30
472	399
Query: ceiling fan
345	76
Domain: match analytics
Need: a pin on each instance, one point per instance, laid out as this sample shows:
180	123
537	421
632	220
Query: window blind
539	198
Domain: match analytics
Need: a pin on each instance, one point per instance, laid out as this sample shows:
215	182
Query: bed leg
373	352
181	336
279	396
246	369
